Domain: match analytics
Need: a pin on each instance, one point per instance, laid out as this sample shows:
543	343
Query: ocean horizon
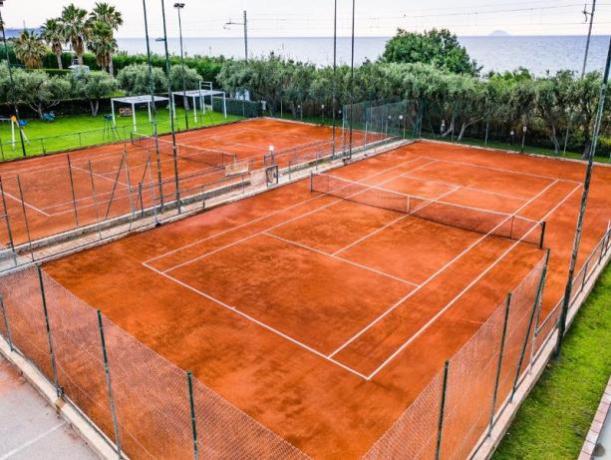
539	54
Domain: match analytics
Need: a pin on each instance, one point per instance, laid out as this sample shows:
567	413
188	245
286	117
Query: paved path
29	427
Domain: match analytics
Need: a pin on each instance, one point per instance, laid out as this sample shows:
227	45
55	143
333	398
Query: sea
539	54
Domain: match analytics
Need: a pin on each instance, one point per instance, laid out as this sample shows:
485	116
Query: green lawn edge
556	417
69	132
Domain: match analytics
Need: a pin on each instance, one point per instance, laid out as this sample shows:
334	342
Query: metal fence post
58	389
95	199
8	221
72	189
25	217
535	307
500	363
585	275
9	338
111	400
442	408
193	416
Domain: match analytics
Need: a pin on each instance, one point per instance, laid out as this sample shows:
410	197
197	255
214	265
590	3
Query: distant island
500	33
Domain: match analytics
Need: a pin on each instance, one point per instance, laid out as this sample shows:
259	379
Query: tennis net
464	217
209	157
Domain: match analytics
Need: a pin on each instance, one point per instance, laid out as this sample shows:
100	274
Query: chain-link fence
150	408
146	405
462	403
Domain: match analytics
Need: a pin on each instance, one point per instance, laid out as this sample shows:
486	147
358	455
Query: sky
286	18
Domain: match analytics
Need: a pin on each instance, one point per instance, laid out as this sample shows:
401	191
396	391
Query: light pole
524	131
245	24
352	82
179	7
334	89
10	74
587	14
153	105
566	303
172	127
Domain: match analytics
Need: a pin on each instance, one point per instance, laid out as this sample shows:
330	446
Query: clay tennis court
66	191
324	310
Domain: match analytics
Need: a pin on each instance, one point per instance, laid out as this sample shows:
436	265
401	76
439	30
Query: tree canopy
439	48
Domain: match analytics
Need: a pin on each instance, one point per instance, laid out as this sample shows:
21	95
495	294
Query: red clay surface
324	319
105	186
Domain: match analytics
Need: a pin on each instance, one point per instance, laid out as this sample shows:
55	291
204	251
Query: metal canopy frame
201	95
133	101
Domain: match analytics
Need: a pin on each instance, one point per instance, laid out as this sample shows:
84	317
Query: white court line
32	441
509	171
379	230
254	235
266	216
102	176
340	259
27	205
475	189
256	321
455	299
437	273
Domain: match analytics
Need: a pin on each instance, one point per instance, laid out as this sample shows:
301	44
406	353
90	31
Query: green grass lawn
74	131
554	420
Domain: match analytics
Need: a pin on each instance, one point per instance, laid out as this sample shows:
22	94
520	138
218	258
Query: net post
25	217
495	392
9	337
193	415
72	189
542	241
111	400
535	307
442	407
311	181
8	221
45	310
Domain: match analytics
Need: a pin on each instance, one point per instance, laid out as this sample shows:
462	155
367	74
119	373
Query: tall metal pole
10	74
334	86
583	69
584	202
172	127
179	7
246	35
587	52
352	82
153	105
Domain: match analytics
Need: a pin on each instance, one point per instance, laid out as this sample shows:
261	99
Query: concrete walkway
29	427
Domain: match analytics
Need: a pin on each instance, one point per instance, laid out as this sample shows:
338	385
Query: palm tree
52	32
109	15
30	49
75	29
103	44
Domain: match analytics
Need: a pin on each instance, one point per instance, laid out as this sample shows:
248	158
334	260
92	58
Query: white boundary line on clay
471	284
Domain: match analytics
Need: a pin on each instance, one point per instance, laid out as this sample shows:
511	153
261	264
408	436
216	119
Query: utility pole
587	14
584	202
10	74
172	127
179	7
245	24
